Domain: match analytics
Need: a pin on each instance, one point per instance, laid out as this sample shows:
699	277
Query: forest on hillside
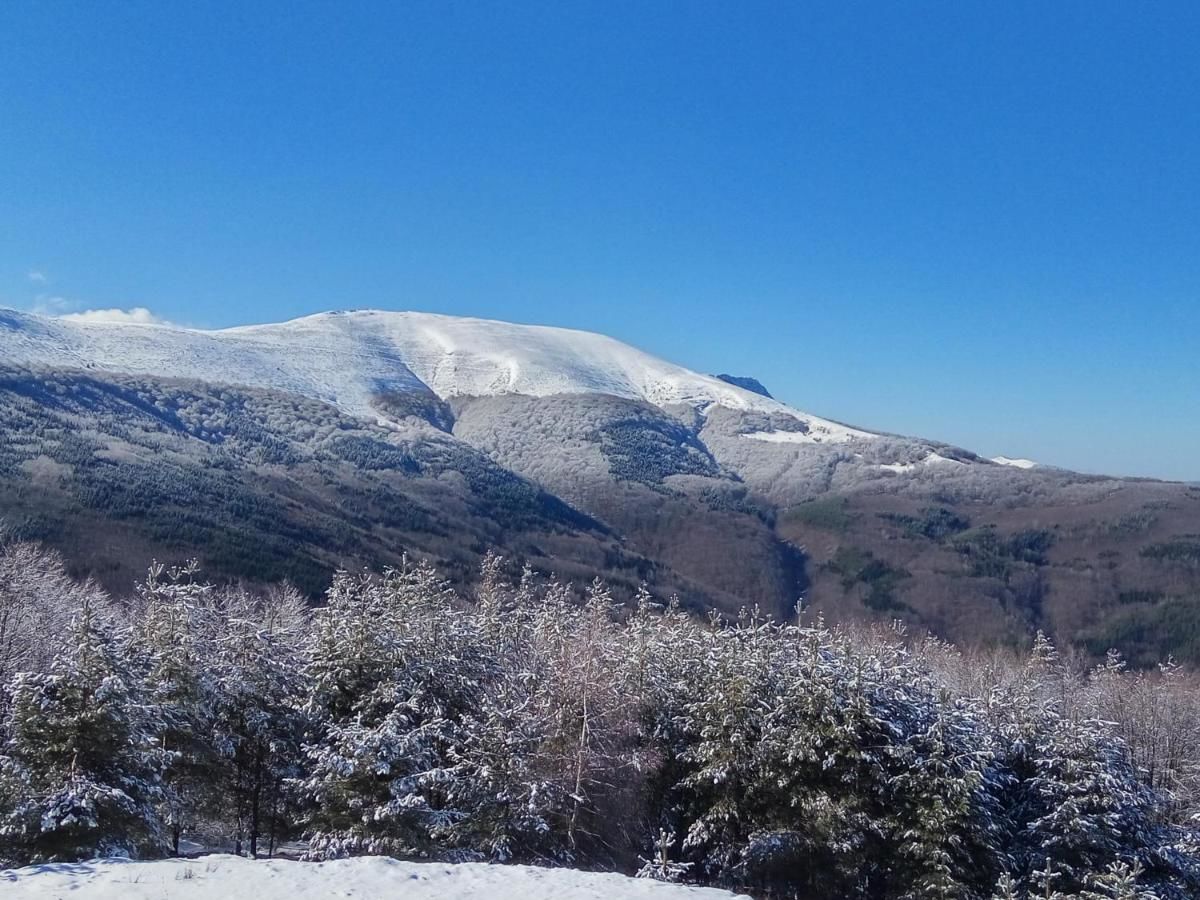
525	724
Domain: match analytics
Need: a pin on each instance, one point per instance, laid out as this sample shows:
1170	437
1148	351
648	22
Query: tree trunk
256	801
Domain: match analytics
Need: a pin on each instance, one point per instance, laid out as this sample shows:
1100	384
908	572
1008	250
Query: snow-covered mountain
353	438
351	358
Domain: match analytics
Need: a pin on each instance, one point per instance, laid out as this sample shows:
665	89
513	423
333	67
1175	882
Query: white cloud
50	305
37	277
138	315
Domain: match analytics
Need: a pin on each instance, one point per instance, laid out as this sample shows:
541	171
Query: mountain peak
745	382
350	357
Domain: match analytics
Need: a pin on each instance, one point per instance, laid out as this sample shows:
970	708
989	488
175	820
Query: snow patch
1015	462
933	458
820	431
222	877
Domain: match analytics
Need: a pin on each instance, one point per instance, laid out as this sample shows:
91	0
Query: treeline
523	724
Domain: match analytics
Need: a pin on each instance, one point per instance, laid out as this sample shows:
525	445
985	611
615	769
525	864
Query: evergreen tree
82	760
174	624
393	674
258	725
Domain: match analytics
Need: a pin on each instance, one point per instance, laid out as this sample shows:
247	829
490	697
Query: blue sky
964	220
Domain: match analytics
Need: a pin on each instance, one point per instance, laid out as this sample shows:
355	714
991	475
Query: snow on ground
933	458
820	431
1014	462
346	358
363	878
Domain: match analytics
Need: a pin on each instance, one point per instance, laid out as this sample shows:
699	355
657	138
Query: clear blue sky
972	221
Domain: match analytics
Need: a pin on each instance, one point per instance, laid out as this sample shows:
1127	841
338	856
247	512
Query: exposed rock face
747	383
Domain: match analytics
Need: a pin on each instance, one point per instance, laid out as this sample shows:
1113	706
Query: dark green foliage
737	498
647	450
73	450
1138	596
211	513
1184	549
1146	633
935	523
827	513
857	566
499	492
992	555
423	405
1133	524
372	454
391	509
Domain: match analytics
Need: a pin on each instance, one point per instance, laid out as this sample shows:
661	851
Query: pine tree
393	675
1120	881
511	804
174	624
1007	888
83	755
946	828
257	671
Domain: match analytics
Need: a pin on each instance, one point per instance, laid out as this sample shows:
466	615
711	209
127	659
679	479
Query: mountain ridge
395	352
354	438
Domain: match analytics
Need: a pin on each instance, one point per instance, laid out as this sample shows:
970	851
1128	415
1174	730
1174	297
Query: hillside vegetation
520	724
263	485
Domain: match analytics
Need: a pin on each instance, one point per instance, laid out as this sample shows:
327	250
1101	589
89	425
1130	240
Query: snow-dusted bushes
37	601
496	732
524	725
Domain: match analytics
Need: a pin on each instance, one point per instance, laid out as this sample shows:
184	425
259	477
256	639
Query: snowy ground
364	878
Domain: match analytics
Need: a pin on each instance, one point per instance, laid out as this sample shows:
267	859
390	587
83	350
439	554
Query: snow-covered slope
368	878
1015	463
348	358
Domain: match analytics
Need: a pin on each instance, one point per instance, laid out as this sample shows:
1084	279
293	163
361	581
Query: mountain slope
350	358
353	438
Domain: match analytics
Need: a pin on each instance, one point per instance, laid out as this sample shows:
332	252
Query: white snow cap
347	358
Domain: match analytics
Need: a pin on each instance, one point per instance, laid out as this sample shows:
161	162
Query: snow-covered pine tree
1120	881
393	675
723	717
1007	888
174	624
257	721
511	804
944	822
662	867
83	754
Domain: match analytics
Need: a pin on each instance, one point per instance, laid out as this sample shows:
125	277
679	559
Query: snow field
226	877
